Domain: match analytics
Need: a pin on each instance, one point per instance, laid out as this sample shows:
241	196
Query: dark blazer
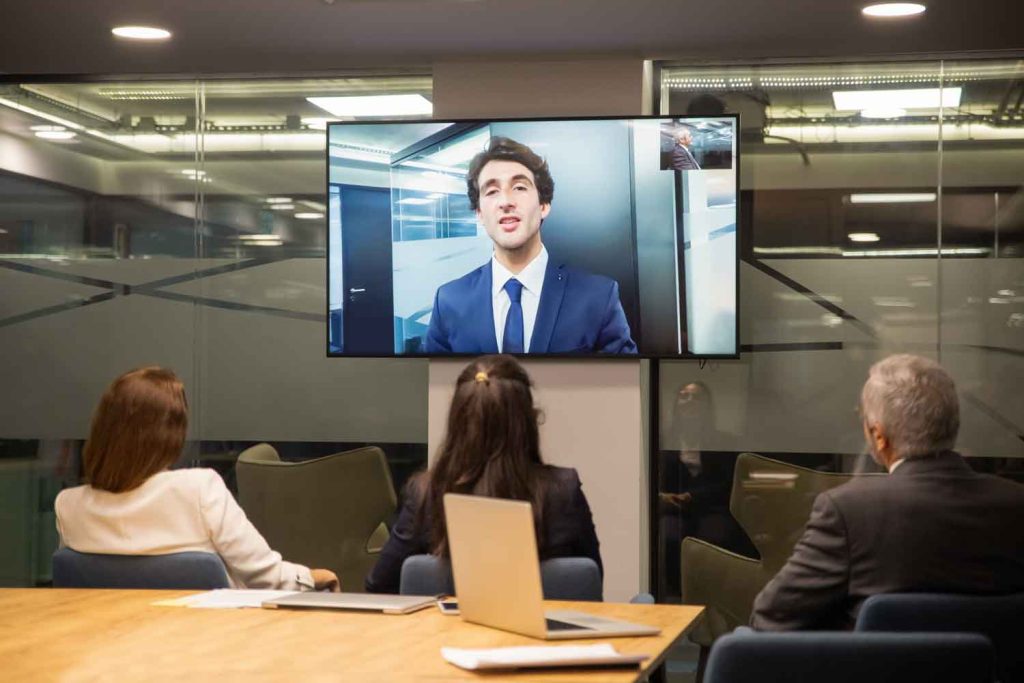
568	529
933	525
578	312
683	160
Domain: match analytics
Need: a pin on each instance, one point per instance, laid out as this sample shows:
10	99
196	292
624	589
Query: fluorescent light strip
950	251
851	253
916	98
892	198
374	105
863	237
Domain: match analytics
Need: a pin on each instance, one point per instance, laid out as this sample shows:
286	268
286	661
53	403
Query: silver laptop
388	604
497	573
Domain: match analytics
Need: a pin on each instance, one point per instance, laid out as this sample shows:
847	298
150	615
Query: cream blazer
176	511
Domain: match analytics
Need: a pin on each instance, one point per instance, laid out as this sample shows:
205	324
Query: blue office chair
72	569
563	578
850	658
997	617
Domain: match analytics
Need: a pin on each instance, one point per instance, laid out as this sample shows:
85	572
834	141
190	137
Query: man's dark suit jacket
578	312
682	159
568	528
933	525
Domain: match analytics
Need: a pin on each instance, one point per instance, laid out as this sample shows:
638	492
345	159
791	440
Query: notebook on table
369	602
497	573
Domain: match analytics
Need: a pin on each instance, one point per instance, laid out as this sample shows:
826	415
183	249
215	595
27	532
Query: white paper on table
537	656
225	598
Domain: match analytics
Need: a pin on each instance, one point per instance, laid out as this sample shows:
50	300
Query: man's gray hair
914	400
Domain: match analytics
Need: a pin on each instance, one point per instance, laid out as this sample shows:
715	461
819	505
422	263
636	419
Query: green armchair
771	501
329	512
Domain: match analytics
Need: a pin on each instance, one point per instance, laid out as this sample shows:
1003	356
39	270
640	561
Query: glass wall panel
880	214
179	223
92	227
981	298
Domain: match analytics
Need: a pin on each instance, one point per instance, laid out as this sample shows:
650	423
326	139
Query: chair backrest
562	578
772	501
998	617
329	512
426	575
850	658
72	569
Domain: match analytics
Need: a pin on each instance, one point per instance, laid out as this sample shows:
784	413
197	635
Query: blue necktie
512	341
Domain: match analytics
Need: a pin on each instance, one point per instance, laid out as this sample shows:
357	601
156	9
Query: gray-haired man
931	525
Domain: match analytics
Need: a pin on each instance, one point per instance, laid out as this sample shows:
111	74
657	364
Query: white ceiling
291	36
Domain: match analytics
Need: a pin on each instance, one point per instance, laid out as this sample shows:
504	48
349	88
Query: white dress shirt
532	279
176	511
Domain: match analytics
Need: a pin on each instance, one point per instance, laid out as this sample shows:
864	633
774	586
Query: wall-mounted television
597	237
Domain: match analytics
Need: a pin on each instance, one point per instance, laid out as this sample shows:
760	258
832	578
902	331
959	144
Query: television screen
593	237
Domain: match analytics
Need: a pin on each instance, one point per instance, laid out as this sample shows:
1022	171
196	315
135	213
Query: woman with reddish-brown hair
491	448
132	504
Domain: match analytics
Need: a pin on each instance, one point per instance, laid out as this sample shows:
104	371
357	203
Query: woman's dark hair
491	447
138	429
506	149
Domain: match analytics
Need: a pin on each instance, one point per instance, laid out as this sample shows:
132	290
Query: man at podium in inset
522	301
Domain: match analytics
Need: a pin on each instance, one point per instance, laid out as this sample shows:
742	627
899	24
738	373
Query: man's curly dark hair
506	149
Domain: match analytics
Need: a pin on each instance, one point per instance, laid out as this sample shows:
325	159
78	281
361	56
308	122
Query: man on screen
522	301
682	157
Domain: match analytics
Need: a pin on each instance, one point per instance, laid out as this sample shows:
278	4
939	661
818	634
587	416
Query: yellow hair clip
481	376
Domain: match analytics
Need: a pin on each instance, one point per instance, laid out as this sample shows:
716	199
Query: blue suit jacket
579	312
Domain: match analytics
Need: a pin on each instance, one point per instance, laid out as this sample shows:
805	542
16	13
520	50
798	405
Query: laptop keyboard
554	625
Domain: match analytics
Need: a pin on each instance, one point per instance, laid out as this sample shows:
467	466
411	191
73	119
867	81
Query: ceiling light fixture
375	105
883	113
281	207
309	215
892	197
52	132
278	200
914	98
863	237
893	9
141	32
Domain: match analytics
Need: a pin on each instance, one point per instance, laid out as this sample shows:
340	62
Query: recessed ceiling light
278	200
141	32
192	173
281	207
309	215
893	9
863	237
883	113
375	105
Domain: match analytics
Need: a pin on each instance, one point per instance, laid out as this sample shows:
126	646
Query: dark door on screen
368	310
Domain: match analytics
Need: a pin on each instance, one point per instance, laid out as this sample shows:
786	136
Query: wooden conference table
113	635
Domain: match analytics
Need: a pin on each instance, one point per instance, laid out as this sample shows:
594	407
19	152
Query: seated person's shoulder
190	481
564	481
